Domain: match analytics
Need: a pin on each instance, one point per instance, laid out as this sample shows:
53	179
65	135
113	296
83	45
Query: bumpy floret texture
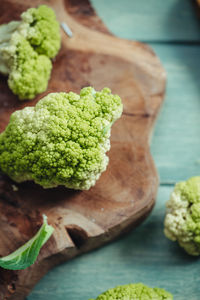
43	30
182	221
30	72
63	140
26	47
136	291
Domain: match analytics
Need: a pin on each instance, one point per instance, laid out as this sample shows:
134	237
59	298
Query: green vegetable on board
26	49
63	140
137	291
182	221
26	255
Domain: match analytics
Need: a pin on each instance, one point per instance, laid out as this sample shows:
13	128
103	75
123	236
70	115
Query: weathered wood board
125	193
173	21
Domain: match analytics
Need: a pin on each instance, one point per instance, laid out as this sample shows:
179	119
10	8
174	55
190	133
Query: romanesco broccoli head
26	47
182	221
42	30
30	71
137	291
63	140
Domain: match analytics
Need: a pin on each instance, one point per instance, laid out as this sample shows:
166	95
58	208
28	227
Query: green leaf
26	255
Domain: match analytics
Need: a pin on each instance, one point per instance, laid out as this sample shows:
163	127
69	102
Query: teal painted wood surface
176	141
145	255
152	20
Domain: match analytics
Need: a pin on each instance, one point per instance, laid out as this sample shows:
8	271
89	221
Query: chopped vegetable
137	291
63	140
26	255
182	221
26	47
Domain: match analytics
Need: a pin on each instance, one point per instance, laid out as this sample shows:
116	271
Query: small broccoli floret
137	291
30	72
63	140
43	30
182	221
26	47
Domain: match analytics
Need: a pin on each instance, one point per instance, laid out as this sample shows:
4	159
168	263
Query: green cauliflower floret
137	291
43	30
26	49
182	221
63	140
30	72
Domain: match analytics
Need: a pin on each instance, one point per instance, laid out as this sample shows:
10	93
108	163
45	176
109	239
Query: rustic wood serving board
125	193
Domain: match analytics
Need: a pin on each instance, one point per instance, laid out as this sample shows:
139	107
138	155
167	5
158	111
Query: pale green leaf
26	255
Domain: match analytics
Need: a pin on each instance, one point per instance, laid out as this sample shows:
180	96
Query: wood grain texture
173	20
124	195
145	255
176	140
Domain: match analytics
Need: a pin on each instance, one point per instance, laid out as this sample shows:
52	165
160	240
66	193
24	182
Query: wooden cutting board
125	193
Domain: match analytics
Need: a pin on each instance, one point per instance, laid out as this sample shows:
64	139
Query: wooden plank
152	20
175	146
125	193
176	140
145	255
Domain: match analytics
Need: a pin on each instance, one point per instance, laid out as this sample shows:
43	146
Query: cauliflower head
63	140
137	291
26	49
182	221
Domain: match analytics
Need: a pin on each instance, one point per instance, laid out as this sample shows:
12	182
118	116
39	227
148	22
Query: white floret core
176	217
